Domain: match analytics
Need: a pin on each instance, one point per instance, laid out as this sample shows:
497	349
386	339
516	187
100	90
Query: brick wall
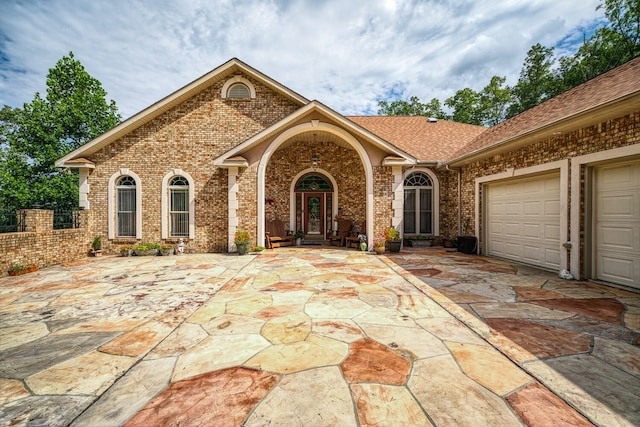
41	245
188	137
606	135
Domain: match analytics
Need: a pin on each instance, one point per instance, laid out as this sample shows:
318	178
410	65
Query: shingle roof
424	139
612	86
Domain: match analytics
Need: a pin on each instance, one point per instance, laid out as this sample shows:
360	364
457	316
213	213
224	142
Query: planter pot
24	270
96	252
298	241
363	246
448	243
243	248
393	245
418	243
166	252
468	244
380	250
148	252
125	252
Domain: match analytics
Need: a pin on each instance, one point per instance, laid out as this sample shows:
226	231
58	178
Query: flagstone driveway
320	336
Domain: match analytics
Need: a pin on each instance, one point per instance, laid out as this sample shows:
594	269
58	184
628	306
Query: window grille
418	204
179	207
126	206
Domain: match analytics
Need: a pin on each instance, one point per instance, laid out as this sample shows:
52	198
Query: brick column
38	220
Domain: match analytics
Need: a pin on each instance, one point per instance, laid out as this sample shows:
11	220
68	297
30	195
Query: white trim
83	188
111	203
563	167
232	206
237	79
436	195
292	194
305	127
164	203
313	106
576	167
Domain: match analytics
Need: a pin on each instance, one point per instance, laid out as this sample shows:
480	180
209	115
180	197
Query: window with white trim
126	207
418	204
179	207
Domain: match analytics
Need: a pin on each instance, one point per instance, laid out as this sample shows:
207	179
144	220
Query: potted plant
166	250
299	236
146	249
242	241
19	269
126	251
96	246
257	249
392	237
379	245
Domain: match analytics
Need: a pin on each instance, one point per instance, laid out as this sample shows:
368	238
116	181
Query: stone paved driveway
314	337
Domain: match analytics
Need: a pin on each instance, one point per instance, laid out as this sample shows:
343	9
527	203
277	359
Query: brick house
557	186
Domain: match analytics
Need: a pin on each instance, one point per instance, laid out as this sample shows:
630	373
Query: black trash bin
468	244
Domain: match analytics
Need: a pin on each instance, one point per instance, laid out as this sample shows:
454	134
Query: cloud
346	54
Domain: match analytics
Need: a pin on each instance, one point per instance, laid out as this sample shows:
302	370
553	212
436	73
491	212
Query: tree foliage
73	112
542	76
413	107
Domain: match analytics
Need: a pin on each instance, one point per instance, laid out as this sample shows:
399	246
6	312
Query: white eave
395	153
171	101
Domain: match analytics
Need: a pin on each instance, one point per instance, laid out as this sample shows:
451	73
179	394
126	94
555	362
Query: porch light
314	162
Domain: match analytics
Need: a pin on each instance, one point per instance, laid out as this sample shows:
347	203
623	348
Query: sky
347	54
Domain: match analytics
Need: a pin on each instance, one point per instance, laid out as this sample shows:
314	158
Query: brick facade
188	137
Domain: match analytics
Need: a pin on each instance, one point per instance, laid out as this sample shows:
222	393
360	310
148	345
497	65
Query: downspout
459	170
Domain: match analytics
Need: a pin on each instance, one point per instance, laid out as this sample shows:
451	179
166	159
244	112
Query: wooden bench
276	236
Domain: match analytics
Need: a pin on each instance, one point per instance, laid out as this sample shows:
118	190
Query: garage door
523	220
617	223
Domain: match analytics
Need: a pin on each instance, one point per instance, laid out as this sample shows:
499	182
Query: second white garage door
617	223
523	220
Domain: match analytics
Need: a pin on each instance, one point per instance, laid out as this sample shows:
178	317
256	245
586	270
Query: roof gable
232	66
229	158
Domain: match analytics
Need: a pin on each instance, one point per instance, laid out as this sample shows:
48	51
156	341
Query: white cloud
346	54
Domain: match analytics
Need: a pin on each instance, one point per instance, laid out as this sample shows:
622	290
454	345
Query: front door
314	213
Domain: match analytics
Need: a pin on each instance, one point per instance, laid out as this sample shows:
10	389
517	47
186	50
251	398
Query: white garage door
523	220
617	223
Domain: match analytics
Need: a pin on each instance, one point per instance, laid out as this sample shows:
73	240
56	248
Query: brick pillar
38	220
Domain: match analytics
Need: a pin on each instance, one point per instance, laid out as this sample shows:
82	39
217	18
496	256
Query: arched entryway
314	196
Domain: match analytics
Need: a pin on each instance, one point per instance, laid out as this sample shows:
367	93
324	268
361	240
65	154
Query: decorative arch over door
314	195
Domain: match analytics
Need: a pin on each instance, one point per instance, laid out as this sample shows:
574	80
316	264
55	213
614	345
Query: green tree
413	107
466	106
537	82
494	101
73	112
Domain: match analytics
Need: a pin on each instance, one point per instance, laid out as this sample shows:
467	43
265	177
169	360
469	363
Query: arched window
126	207
314	182
177	204
179	207
239	90
418	204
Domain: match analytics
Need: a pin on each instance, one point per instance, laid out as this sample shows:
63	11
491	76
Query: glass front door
314	213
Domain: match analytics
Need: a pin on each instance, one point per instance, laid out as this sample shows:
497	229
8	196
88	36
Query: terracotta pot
380	250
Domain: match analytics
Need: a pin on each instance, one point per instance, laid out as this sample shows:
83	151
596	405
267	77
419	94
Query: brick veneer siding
188	137
606	135
41	245
342	163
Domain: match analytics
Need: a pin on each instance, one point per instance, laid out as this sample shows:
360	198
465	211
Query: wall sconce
314	162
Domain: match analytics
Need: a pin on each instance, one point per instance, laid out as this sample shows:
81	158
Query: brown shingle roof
423	139
614	85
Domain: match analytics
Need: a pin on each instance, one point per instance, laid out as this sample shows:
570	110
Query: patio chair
276	236
344	230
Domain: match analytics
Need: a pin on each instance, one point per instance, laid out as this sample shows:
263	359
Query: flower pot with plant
242	241
379	245
96	246
126	251
392	237
299	236
166	250
19	269
147	249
